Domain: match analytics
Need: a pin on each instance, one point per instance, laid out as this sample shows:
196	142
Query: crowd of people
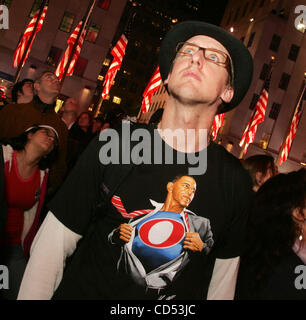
147	231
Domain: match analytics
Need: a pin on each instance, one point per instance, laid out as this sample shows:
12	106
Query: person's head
203	63
23	91
261	167
181	191
277	219
84	120
97	125
70	106
47	86
41	138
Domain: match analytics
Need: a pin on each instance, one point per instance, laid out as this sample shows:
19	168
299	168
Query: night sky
213	11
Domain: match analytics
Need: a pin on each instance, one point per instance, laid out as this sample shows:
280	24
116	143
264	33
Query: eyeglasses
215	56
50	77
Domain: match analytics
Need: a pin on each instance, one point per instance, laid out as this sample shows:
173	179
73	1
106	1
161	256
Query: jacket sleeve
44	270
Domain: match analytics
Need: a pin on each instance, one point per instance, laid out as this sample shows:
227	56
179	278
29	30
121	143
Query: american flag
71	41
217	124
258	116
26	37
152	86
118	54
285	148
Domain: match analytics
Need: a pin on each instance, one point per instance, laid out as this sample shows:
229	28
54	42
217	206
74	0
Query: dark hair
258	163
18	143
272	230
18	88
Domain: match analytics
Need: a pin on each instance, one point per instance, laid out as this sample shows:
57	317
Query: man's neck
68	118
47	99
192	124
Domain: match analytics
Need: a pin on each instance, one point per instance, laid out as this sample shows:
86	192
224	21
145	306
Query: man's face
49	84
193	79
183	191
71	105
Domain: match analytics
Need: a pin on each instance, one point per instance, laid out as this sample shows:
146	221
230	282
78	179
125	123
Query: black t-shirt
155	264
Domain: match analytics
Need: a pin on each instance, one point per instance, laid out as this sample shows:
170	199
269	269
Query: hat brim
240	55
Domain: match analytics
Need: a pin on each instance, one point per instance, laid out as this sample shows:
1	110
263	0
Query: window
54	56
274	45
274	111
253	5
117	100
229	18
237	14
245	9
104	4
67	22
80	67
284	82
264	72
252	36
93	33
254	101
106	62
6	3
294	52
35	7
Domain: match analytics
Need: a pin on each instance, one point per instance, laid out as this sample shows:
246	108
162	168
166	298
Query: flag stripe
152	87
284	152
248	136
217	124
118	54
26	37
60	70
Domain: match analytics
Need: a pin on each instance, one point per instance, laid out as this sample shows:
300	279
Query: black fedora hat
241	58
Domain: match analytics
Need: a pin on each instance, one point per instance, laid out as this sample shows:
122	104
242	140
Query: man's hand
193	242
125	232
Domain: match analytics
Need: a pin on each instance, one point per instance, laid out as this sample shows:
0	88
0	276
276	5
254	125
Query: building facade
268	28
51	42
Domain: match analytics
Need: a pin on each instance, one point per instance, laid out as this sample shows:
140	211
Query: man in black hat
206	71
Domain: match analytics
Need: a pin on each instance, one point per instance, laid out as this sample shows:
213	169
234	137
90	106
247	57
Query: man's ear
169	186
36	86
227	94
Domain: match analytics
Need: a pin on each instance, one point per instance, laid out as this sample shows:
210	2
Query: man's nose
198	58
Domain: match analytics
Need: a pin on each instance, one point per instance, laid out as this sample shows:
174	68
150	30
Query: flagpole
18	72
300	97
84	24
254	111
